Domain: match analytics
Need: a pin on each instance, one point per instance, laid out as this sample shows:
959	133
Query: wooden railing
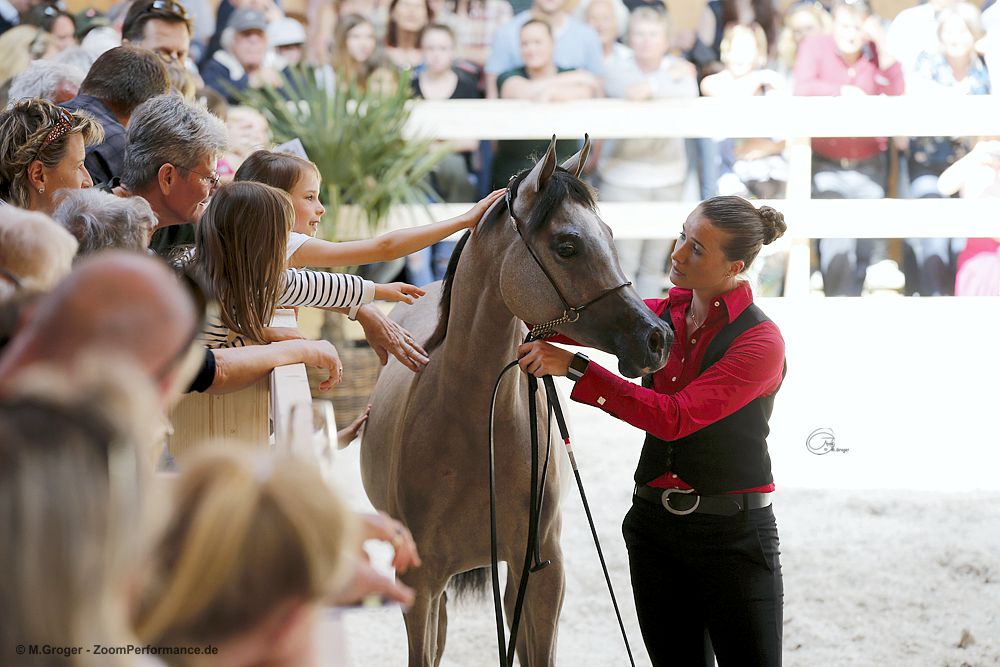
274	410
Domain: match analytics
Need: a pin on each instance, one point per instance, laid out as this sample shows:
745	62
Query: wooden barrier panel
239	417
246	416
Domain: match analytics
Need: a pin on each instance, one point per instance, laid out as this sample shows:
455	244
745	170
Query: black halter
570	313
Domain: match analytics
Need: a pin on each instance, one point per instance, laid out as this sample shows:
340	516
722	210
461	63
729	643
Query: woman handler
701	535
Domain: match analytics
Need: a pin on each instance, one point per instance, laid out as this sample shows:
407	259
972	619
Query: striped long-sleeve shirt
302	288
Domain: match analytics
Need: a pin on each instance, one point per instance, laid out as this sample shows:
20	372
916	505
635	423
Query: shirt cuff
596	388
367	292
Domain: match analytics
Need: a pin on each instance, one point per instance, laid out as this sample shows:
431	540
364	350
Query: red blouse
682	401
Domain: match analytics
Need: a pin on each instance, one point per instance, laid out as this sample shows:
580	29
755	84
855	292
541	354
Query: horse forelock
561	186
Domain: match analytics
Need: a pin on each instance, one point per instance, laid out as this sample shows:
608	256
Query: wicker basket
361	369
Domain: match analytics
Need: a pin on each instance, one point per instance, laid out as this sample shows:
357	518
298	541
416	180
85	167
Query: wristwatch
577	367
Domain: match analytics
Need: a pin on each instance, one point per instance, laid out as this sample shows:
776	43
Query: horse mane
561	185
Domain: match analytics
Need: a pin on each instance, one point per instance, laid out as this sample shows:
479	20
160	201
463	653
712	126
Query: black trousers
706	586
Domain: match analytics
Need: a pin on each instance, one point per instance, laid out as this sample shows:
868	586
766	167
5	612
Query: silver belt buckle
665	500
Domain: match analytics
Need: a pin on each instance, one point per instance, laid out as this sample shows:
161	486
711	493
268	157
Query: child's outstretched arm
392	245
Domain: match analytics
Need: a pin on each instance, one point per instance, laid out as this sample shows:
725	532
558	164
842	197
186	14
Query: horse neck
480	325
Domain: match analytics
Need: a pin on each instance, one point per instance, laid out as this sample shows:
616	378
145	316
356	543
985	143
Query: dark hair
44	16
126	76
748	227
142	12
439	27
279	170
764	13
541	22
392	32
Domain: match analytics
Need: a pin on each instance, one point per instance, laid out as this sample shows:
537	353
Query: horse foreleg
442	625
536	637
423	625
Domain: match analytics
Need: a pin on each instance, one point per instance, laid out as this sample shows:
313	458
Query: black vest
727	455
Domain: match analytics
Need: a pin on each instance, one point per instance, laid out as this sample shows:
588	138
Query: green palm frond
357	139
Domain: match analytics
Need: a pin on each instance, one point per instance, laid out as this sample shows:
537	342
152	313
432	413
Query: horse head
566	272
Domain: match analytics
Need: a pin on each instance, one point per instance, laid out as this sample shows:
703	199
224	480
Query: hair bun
774	223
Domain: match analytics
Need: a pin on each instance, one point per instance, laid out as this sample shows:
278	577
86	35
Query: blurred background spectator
50	80
540	80
241	63
19	46
287	37
162	26
407	18
474	24
609	19
355	50
851	61
576	45
55	21
718	14
802	20
646	169
951	68
749	167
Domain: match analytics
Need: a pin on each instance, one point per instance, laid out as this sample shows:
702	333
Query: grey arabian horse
424	452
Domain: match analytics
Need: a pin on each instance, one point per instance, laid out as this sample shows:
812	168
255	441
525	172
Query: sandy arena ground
890	550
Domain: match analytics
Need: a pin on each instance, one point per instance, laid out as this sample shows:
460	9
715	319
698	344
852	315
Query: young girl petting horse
240	252
301	180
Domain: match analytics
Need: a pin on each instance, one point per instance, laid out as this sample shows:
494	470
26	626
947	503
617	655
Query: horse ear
575	164
540	174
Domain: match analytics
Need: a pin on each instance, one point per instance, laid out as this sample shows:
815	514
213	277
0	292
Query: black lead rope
532	548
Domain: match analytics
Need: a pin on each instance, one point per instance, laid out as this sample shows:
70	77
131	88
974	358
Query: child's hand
472	217
398	292
346	435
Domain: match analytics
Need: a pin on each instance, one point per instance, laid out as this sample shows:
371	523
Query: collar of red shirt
735	300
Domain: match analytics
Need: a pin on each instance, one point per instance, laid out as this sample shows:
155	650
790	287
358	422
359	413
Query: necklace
695	322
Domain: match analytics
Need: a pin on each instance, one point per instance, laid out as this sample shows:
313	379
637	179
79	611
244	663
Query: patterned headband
62	127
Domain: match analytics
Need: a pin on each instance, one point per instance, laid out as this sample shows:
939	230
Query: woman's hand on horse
398	292
387	337
472	217
539	358
383	527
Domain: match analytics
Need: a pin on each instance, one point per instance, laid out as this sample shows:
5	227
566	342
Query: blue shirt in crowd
577	46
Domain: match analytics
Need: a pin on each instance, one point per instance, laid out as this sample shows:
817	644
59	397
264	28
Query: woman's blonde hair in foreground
249	533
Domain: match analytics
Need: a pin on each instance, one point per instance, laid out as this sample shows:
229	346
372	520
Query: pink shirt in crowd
821	70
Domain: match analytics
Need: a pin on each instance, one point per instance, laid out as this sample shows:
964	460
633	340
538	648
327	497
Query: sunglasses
169	6
10	277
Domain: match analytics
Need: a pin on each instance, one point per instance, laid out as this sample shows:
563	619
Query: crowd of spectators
149	228
547	50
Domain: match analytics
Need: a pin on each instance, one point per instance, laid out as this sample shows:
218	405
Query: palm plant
357	138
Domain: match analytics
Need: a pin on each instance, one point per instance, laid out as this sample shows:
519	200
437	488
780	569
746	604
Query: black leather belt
681	502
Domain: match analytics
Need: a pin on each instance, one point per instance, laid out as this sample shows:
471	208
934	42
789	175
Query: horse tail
471	583
445	304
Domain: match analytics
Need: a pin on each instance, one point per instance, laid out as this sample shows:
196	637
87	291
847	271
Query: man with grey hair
170	155
49	80
100	220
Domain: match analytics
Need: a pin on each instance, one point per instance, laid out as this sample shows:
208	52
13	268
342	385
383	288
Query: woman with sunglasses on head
701	537
42	150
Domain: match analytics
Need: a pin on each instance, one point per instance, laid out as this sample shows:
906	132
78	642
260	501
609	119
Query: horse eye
566	250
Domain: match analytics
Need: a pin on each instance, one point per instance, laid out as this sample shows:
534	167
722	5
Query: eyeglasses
211	179
170	6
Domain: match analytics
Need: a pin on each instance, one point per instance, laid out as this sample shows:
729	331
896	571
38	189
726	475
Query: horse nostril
656	341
